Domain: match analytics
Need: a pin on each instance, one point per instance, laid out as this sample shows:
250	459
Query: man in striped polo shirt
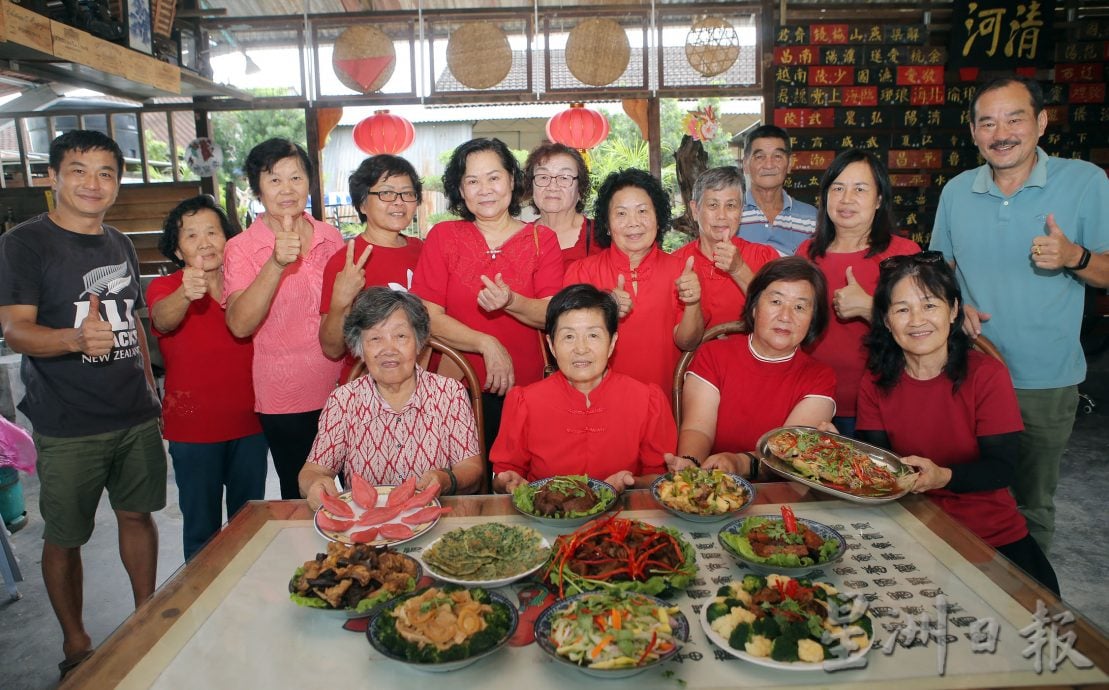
770	216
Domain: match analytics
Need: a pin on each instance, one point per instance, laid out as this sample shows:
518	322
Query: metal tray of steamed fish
881	456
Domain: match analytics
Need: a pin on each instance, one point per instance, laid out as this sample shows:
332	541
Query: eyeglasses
544	180
928	257
389	196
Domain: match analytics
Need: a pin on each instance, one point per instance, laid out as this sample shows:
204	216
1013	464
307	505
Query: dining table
948	611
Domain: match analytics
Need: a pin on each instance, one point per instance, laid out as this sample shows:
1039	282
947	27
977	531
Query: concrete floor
30	640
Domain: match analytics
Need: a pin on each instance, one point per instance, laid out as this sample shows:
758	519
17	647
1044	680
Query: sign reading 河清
1001	34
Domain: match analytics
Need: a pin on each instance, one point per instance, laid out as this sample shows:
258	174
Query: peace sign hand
351	279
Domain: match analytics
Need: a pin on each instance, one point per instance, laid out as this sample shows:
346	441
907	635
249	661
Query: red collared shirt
720	295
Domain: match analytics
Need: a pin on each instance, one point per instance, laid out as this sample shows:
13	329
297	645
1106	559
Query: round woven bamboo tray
711	46
597	52
363	58
478	55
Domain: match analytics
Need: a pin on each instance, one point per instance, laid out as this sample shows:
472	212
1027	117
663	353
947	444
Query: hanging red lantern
384	133
579	127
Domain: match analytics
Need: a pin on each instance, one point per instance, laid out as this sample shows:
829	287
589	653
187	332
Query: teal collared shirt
1035	315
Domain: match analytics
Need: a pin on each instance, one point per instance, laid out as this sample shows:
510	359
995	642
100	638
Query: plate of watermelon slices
383	515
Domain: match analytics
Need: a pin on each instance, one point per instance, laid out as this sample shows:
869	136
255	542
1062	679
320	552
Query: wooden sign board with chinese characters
1001	34
27	28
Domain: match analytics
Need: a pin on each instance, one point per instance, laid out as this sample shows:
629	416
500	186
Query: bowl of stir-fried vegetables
611	634
701	495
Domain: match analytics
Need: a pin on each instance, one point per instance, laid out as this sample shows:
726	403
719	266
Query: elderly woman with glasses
398	420
724	262
946	409
386	191
854	232
556	181
740	387
486	279
658	294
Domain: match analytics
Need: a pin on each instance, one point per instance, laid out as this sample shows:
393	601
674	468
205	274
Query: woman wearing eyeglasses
386	191
486	279
854	232
948	410
556	182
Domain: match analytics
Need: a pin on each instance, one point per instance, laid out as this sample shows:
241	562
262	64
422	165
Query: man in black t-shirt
69	295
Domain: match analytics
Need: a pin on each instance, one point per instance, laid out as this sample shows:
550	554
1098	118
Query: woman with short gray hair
398	420
723	261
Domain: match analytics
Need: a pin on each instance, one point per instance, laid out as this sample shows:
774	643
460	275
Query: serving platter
824	531
679	624
880	456
383	491
596	484
748	489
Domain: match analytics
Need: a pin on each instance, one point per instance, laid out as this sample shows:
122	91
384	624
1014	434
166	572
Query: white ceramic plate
748	489
488	584
765	660
382	494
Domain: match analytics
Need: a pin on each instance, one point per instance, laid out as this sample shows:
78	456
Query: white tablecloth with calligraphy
244	632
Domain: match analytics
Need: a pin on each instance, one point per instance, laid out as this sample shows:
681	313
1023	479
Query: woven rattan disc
711	46
478	55
597	52
363	58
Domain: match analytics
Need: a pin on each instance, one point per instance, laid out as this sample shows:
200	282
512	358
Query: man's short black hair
765	132
84	140
1035	93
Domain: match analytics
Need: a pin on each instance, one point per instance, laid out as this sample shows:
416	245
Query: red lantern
384	133
579	127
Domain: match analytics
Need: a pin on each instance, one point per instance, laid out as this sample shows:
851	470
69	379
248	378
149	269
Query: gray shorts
73	473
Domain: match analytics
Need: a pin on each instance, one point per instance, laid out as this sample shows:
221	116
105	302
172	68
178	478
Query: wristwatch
1082	263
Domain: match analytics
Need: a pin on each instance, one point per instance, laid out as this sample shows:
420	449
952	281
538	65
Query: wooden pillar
312	132
654	137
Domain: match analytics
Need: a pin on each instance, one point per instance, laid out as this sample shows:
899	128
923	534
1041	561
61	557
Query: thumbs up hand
193	281
286	248
689	287
496	294
852	301
94	336
622	296
1054	250
726	257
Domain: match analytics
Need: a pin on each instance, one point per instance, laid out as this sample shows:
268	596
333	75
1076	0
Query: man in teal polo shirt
1027	232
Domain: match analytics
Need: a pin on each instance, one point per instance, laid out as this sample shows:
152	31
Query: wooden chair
720	330
986	347
469	380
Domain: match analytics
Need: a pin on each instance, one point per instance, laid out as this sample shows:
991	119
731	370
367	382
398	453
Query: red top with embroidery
454	258
389	266
645	349
359	432
720	295
547	429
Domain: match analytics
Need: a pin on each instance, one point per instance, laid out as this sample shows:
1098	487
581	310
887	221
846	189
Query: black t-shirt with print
44	265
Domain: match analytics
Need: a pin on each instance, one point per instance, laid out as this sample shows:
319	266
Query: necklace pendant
493	253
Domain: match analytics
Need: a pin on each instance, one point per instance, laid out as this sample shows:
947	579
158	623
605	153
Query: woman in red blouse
949	410
556	182
659	294
584	418
740	387
854	232
214	435
486	279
